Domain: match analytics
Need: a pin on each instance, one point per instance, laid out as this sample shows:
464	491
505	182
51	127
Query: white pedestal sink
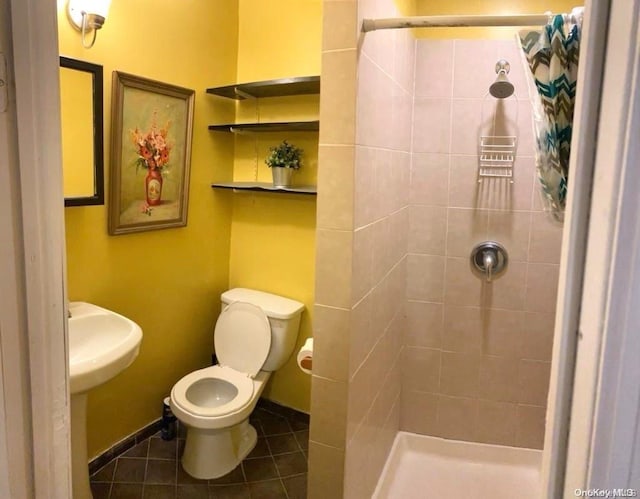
101	345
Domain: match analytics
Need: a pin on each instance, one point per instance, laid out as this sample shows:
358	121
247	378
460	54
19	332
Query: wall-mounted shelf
272	88
282	87
266	187
288	126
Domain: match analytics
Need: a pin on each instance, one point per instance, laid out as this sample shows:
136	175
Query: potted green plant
283	160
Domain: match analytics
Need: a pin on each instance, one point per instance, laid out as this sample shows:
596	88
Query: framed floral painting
150	154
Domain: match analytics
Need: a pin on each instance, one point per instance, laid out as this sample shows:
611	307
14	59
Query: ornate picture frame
151	133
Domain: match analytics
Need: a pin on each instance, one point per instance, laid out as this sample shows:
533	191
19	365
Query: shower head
502	87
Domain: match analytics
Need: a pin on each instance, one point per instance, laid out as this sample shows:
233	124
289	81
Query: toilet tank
284	319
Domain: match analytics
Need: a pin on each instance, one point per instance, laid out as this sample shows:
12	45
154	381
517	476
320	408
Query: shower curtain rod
464	21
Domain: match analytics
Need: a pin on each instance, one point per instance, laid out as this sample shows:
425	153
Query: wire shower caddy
497	156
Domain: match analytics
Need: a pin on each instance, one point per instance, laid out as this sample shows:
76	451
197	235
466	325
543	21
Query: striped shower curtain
552	57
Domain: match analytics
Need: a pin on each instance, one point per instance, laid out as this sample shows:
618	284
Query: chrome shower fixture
502	87
489	259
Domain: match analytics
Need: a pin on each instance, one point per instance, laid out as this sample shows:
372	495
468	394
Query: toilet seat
242	337
242	341
241	382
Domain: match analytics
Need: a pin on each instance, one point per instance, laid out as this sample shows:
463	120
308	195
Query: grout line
274	462
288	452
449	163
298	443
281	482
175	490
385	73
286	493
144	483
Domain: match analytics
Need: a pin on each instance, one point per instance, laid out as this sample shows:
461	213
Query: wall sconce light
87	15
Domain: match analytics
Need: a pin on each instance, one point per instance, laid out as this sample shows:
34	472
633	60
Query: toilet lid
242	338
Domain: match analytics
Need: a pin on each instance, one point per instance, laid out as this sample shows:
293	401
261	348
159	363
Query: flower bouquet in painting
153	153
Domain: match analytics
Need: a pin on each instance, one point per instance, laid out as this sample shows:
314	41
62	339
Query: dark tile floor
275	469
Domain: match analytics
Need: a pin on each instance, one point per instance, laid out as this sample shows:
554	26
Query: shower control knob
489	259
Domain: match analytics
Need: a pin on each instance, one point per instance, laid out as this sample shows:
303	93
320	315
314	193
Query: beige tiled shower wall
334	252
477	356
381	229
362	238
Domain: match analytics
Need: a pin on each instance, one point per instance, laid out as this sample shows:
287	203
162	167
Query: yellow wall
407	7
273	236
279	38
76	113
484	7
168	281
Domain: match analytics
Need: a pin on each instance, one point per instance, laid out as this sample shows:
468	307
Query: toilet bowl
215	404
215	397
255	334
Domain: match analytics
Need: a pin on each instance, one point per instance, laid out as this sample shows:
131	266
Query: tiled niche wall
477	356
362	238
381	224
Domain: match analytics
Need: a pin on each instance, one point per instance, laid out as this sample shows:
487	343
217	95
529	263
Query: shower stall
437	262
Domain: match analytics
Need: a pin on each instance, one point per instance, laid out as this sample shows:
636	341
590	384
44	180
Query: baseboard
152	428
282	410
124	445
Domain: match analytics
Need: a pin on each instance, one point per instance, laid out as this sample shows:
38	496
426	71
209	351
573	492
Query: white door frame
33	327
574	247
615	435
592	439
603	437
16	467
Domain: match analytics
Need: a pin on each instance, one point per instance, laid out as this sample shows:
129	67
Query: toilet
255	335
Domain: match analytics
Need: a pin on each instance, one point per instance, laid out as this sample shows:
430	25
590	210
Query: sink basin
101	345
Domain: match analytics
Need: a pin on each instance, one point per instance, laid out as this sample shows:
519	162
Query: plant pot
281	176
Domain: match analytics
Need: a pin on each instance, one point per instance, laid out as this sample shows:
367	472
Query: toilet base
211	454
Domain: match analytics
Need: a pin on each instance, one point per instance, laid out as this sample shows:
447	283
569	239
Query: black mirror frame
98	132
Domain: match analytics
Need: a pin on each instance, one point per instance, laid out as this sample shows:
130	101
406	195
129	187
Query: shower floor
420	467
